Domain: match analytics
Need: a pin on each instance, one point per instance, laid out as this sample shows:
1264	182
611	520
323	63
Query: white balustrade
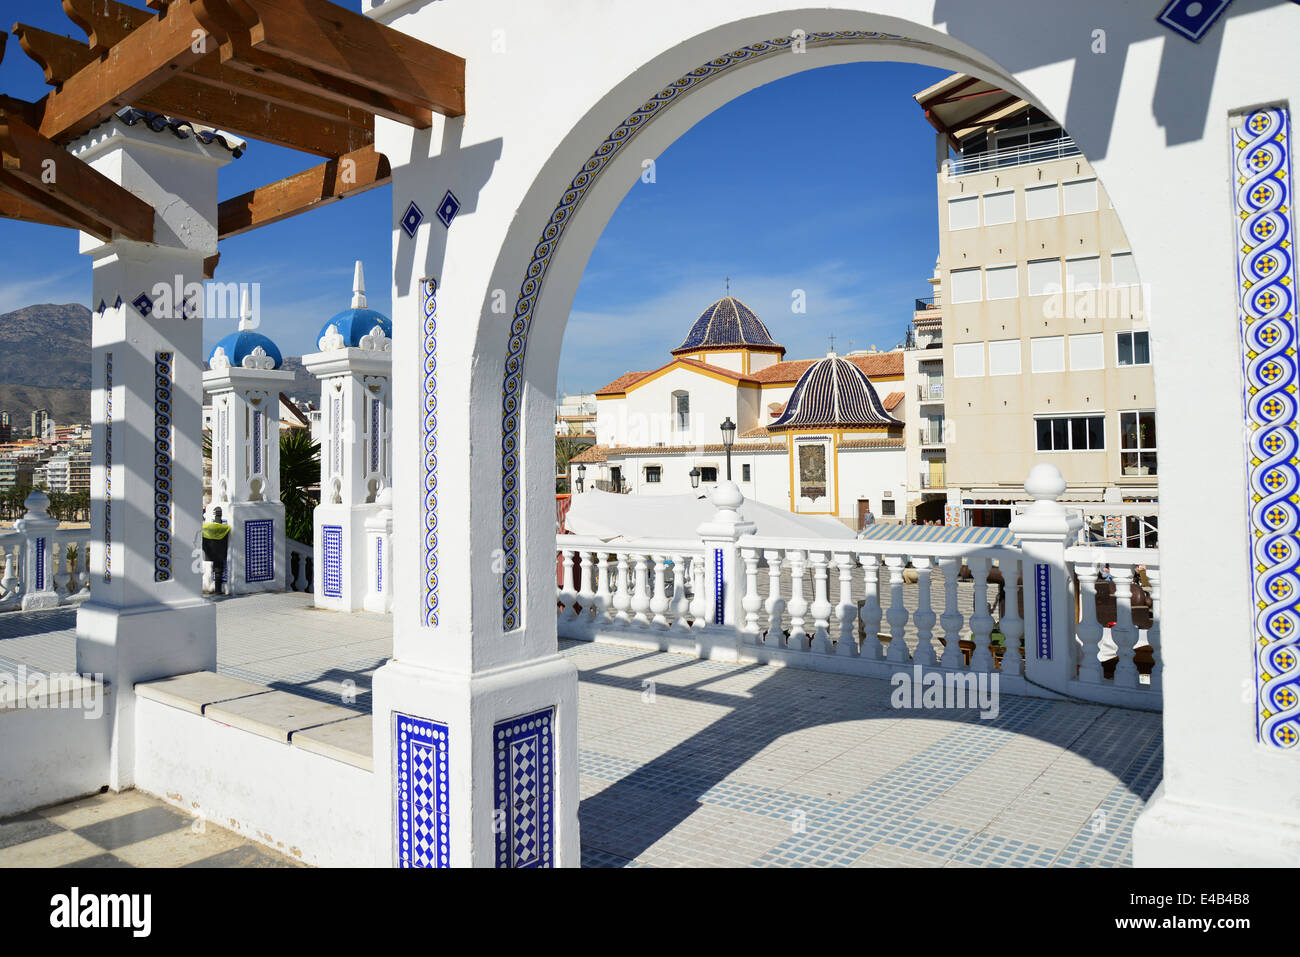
821	607
846	645
798	604
1011	624
298	566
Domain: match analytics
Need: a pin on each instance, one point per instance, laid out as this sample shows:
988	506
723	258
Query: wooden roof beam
349	175
60	57
21	200
323	36
14	206
141	61
44	174
105	22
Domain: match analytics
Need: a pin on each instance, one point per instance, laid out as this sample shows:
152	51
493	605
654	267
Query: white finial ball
726	494
1045	482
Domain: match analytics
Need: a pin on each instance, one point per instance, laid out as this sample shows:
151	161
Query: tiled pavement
686	762
130	829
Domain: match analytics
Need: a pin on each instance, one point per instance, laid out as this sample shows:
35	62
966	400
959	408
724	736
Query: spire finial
246	311
358	288
728	285
832	337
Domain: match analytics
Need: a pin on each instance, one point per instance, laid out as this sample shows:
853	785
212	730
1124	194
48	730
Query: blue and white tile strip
374	434
535	275
379	565
525	819
1043	613
162	467
331	542
1266	285
259	550
257	441
430	399
40	564
421	786
108	465
719	590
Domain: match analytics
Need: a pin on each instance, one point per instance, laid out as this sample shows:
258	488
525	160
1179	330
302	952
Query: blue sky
823	182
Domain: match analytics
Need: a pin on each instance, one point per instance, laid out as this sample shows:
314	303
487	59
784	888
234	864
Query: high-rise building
69	472
40	423
1045	349
6	428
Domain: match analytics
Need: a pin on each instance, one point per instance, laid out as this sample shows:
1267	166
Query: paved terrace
687	762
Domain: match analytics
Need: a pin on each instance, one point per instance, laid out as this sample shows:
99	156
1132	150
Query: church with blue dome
820	436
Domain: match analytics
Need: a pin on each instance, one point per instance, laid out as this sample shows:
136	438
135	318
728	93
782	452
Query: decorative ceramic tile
40	564
331	540
379	565
108	463
421	785
162	468
1191	18
1043	611
259	550
719	590
143	304
1266	278
448	208
543	252
430	400
412	219
257	441
525	809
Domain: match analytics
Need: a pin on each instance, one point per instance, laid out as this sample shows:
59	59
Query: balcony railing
1018	156
936	479
930	392
929	436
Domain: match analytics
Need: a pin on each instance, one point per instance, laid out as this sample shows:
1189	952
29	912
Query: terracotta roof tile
595	453
892	400
876	364
621	383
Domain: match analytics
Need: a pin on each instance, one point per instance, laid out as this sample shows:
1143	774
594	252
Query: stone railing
1047	616
42	565
299	571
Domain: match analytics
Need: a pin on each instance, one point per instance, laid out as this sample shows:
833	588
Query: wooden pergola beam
323	36
183	96
42	173
14	206
59	57
105	22
140	62
330	182
26	198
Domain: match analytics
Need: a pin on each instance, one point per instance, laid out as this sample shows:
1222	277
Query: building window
1041	202
965	285
1137	442
708	473
1122	270
1000	282
1087	352
744	473
1004	357
1044	277
1079	196
1083	272
887	507
682	411
1072	433
999	208
1047	354
653	473
1134	349
968	360
964	213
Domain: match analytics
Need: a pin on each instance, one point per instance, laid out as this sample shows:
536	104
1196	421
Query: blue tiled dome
727	324
354	323
833	393
242	343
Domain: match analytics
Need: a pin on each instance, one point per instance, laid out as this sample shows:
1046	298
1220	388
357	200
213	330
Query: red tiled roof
594	453
721	370
876	364
621	383
892	400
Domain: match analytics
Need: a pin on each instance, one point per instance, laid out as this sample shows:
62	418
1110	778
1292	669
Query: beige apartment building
1045	351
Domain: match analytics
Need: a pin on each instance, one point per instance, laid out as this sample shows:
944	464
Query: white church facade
816	436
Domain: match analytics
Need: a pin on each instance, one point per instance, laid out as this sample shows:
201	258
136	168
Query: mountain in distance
45	364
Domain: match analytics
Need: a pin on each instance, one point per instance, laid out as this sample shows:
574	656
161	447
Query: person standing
216	542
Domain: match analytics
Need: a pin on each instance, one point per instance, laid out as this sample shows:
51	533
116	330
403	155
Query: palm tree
566	447
299	471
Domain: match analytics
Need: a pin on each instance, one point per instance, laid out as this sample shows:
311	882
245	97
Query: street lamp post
582	472
728	439
695	478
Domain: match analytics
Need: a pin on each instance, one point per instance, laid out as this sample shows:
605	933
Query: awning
948	534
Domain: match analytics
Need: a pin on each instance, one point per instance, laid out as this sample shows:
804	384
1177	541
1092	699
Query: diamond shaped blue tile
448	208
1192	18
412	219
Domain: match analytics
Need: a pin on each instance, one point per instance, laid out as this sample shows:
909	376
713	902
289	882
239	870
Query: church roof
876	364
833	393
727	324
620	385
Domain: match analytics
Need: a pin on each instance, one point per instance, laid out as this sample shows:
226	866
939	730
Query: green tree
566	447
299	470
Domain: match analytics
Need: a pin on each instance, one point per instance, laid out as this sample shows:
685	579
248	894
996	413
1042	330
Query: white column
723	572
1046	529
37	527
379	555
146	617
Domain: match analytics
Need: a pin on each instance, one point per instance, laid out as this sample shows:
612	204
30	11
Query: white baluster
659	600
1123	633
924	617
699	606
775	604
681	601
567	595
1089	628
1153	633
58	568
821	607
641	590
951	619
623	596
981	622
847	643
897	614
587	592
603	593
751	603
871	610
1012	625
9	583
798	639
